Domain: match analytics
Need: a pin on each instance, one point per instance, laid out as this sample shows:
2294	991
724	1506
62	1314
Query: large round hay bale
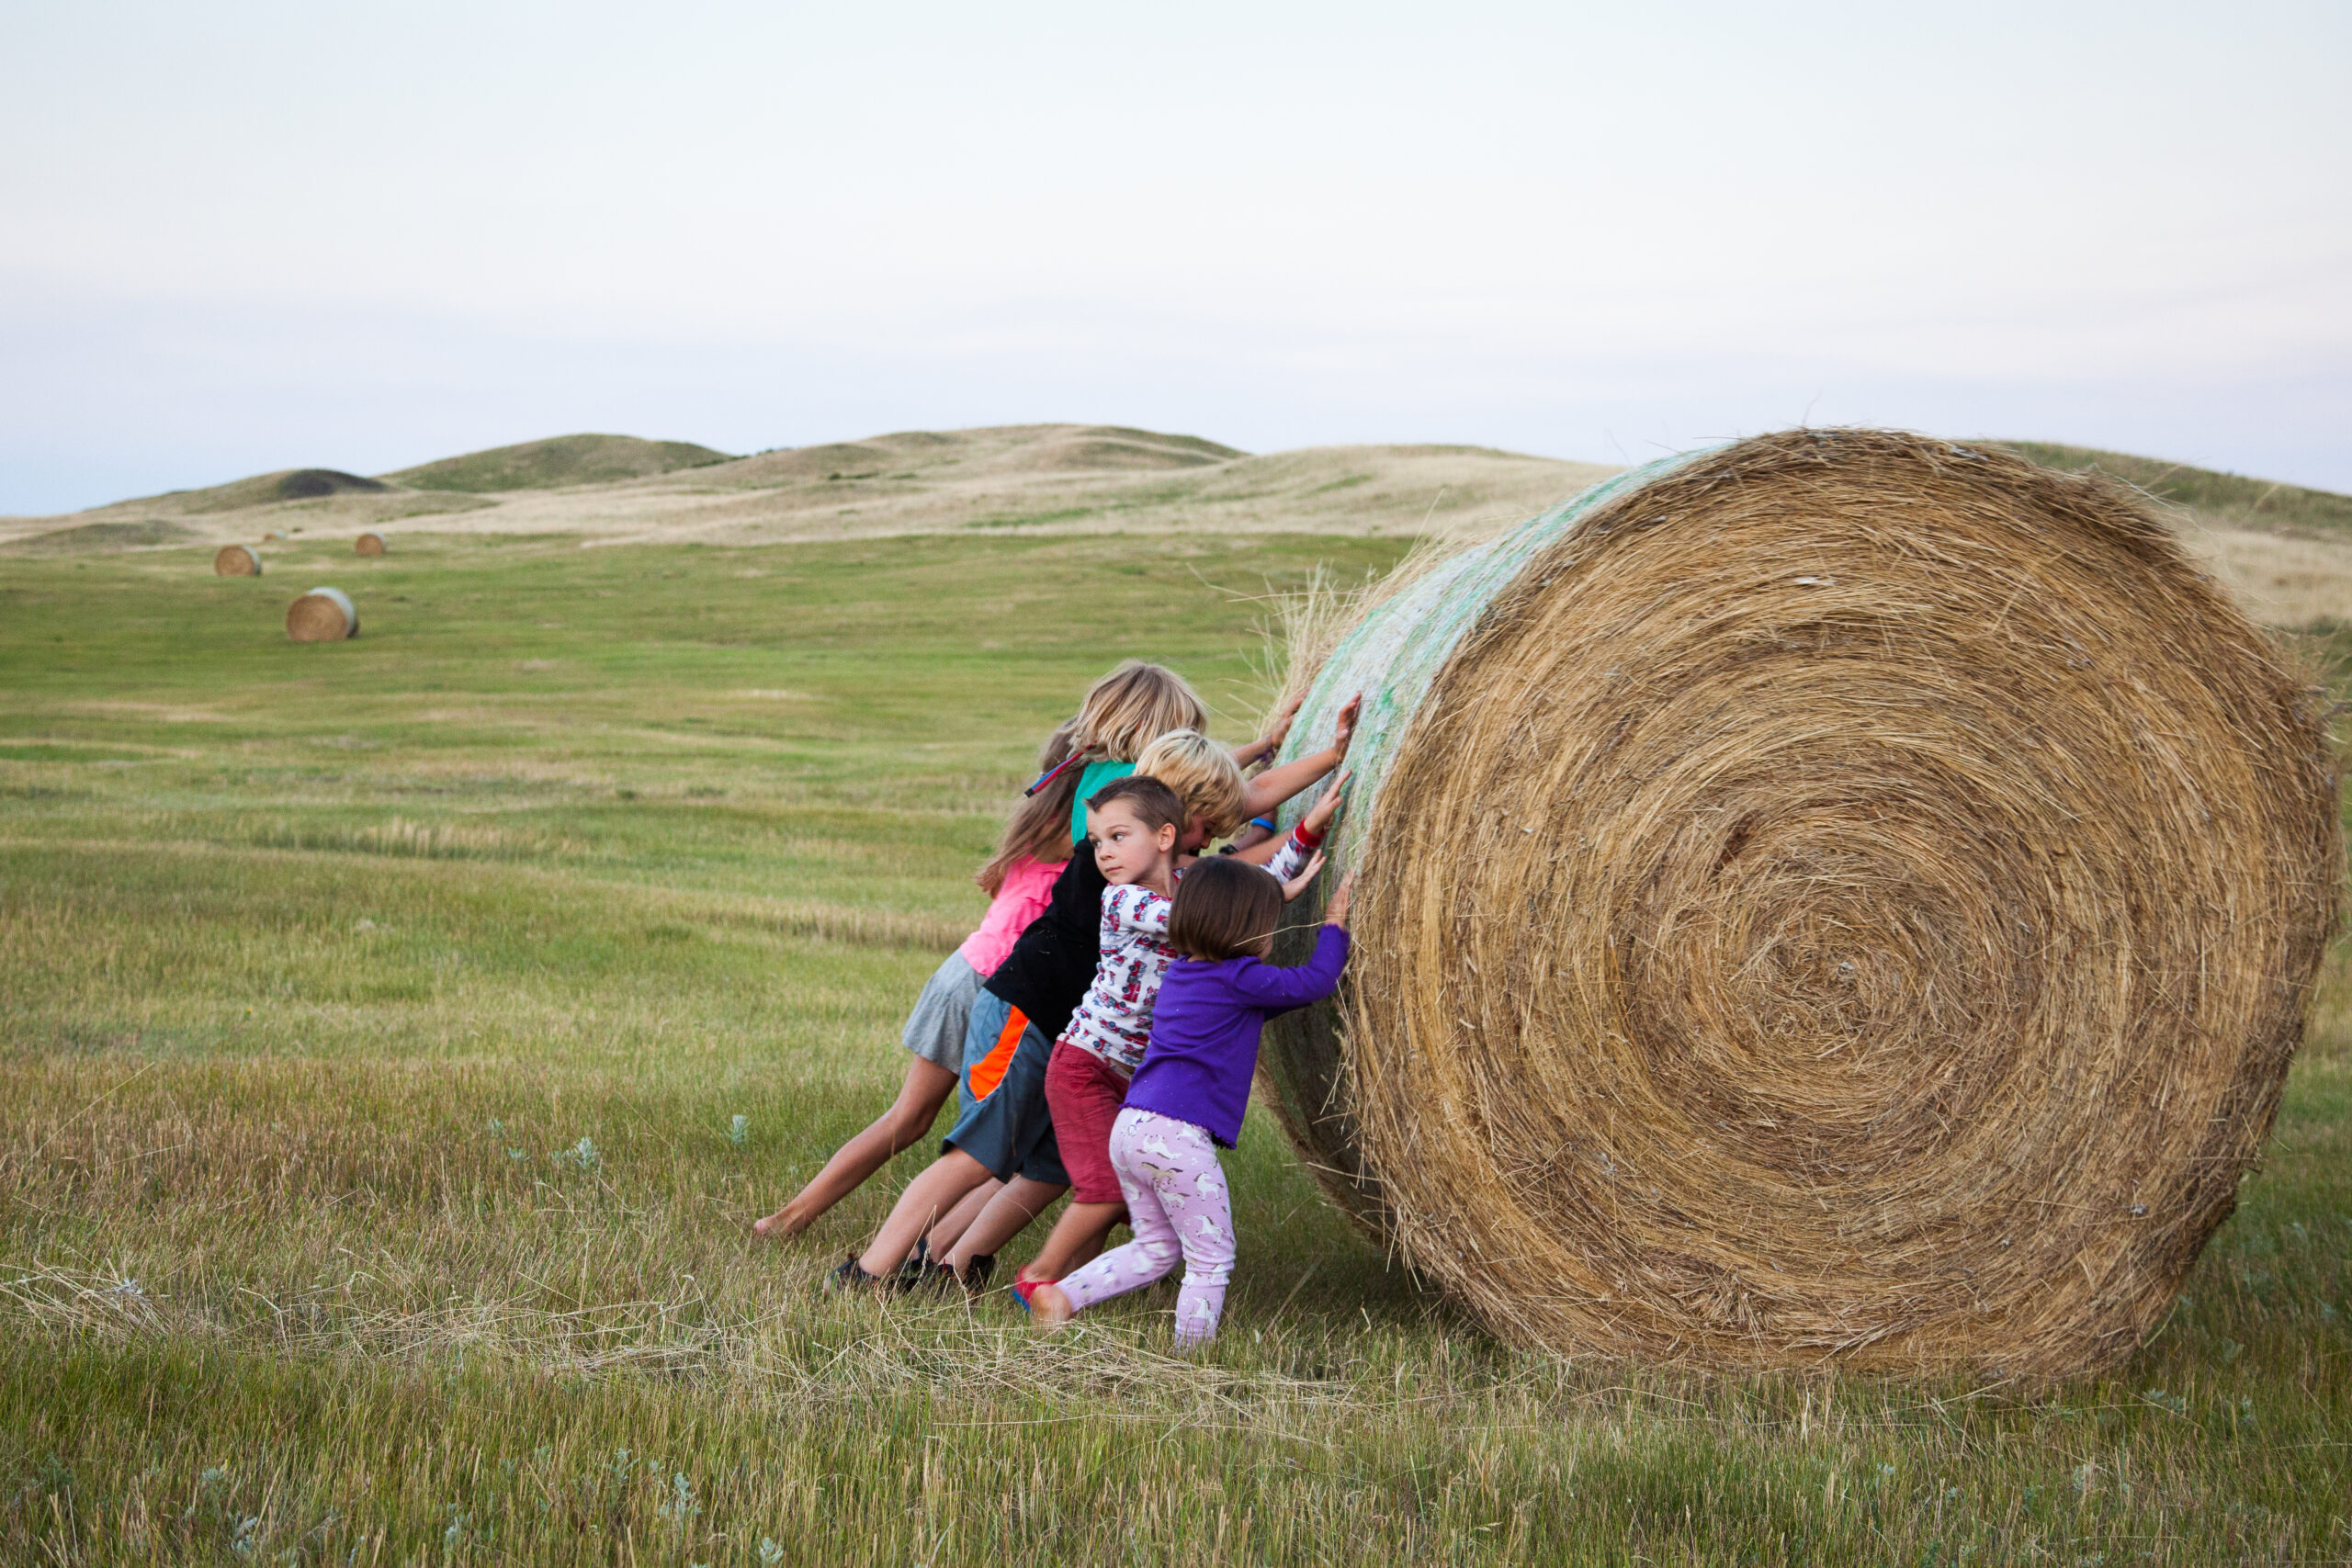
1836	898
324	615
236	560
368	545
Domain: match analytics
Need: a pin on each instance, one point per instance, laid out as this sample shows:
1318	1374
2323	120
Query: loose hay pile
368	545
324	615
1840	896
236	560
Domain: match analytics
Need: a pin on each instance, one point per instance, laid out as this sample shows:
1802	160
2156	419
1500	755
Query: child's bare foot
782	1225
1049	1308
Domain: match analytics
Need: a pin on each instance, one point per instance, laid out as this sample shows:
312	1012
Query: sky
243	237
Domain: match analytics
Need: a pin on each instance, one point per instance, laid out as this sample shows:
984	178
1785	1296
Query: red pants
1084	1092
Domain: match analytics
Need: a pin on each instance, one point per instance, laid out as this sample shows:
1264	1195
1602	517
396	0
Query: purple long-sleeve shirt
1204	1032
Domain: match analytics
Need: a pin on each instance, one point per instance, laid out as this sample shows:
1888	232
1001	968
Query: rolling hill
2219	500
1058	478
2287	551
554	464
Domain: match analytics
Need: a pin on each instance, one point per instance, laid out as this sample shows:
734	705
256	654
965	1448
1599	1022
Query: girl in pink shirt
1019	879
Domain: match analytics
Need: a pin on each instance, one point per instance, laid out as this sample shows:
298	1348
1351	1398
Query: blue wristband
1265	822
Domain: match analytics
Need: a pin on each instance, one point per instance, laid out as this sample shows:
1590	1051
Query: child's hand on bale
1327	806
1297	885
1335	913
1344	731
1260	751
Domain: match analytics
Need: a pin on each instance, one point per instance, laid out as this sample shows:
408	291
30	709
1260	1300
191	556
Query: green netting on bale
1391	656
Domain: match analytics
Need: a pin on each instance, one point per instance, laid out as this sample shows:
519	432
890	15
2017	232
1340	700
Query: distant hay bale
236	560
1838	898
324	615
368	545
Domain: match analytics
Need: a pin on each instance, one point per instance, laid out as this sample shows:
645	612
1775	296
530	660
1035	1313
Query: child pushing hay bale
324	615
236	560
1836	897
368	545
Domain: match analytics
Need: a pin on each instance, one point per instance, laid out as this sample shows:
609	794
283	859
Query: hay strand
324	615
368	545
236	560
1838	898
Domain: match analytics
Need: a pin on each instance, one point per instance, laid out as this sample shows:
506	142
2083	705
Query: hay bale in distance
236	560
324	615
368	545
1838	898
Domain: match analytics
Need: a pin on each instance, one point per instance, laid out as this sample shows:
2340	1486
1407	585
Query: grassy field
398	1037
2225	500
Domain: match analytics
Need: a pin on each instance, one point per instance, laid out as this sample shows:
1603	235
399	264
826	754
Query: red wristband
1306	841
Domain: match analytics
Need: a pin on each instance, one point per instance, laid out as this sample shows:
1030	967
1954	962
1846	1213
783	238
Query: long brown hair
1134	705
1123	712
1224	908
1040	825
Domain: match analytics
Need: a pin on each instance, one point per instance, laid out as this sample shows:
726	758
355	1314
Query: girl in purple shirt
1187	1097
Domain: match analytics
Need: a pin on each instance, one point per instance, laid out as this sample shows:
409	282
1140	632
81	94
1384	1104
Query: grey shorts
935	1028
1007	1128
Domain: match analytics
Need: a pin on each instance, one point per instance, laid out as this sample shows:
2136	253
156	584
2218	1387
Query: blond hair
1203	774
1040	825
1132	705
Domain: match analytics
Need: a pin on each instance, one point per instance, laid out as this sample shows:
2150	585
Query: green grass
382	1010
557	461
84	537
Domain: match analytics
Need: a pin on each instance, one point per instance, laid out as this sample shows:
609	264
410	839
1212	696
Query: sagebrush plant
292	1275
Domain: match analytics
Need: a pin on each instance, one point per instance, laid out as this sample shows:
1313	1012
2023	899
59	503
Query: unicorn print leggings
1178	1205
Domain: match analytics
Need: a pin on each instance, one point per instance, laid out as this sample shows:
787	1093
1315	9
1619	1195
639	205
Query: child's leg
1156	1248
1078	1234
939	1189
1171	1169
958	1220
997	1134
1203	1228
1086	1094
924	1090
1008	1214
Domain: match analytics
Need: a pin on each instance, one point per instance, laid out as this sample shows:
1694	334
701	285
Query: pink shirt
1028	888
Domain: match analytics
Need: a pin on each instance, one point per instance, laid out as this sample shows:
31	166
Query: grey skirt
935	1028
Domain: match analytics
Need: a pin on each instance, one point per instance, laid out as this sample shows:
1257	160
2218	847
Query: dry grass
2280	582
1849	899
1023	479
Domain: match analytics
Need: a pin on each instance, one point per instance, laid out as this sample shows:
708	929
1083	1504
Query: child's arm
1263	748
1278	989
1275	786
1260	831
1287	859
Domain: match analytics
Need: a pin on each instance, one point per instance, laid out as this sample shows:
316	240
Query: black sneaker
850	1276
975	1278
911	1273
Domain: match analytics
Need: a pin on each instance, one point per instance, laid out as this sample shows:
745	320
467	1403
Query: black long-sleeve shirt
1046	972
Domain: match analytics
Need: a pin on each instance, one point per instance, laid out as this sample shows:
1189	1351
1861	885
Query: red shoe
1022	1285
